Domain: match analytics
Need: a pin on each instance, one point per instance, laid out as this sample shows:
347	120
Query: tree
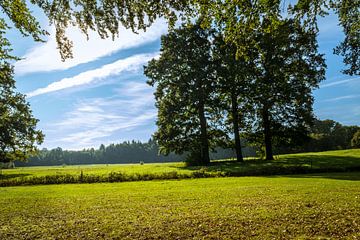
288	68
18	134
355	141
330	135
185	82
349	17
243	16
233	86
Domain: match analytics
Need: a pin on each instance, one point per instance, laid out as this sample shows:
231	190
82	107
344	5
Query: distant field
98	169
344	160
313	206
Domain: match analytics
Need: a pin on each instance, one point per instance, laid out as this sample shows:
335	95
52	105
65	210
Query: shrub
355	141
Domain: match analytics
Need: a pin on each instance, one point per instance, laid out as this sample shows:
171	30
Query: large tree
233	76
184	80
288	69
18	134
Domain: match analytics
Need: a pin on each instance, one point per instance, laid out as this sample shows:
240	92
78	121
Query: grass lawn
325	205
330	161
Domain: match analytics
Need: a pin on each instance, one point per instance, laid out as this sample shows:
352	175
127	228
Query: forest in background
324	135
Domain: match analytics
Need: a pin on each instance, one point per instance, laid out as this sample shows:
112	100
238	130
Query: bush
355	141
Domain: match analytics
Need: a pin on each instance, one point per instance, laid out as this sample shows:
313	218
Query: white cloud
45	56
94	121
340	82
128	64
341	98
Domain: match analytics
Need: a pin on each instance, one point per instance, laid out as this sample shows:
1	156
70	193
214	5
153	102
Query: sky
101	96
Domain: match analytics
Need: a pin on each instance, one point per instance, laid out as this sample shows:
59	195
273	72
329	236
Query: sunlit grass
280	207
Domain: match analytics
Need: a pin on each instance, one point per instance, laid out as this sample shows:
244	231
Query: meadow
330	161
312	206
324	205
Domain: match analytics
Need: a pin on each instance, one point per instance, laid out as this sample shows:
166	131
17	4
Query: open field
280	207
331	161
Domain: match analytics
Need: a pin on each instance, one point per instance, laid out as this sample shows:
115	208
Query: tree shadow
11	176
320	165
323	160
350	176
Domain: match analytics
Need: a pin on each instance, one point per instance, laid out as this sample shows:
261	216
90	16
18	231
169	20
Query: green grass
98	169
331	161
312	206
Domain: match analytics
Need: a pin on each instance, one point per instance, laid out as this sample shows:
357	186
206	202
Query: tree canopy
235	17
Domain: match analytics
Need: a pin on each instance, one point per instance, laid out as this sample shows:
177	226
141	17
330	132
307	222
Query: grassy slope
298	206
323	160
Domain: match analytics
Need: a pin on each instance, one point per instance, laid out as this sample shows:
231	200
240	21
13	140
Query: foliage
184	77
329	135
288	68
355	141
323	135
286	207
235	17
125	152
349	17
241	18
18	134
18	13
233	78
106	16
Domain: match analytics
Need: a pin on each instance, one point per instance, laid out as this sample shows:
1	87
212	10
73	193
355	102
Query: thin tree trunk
205	157
267	134
235	117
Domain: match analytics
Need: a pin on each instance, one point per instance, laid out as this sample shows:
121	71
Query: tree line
125	152
324	135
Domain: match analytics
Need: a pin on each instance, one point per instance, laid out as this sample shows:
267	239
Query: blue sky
100	96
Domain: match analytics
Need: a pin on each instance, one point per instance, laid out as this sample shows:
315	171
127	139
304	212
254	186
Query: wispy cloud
341	98
94	121
92	76
340	82
45	57
106	129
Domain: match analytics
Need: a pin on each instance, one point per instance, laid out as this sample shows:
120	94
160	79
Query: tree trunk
235	118
267	134
205	157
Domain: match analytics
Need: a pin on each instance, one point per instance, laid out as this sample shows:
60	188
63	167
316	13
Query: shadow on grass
323	160
283	165
350	176
11	176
